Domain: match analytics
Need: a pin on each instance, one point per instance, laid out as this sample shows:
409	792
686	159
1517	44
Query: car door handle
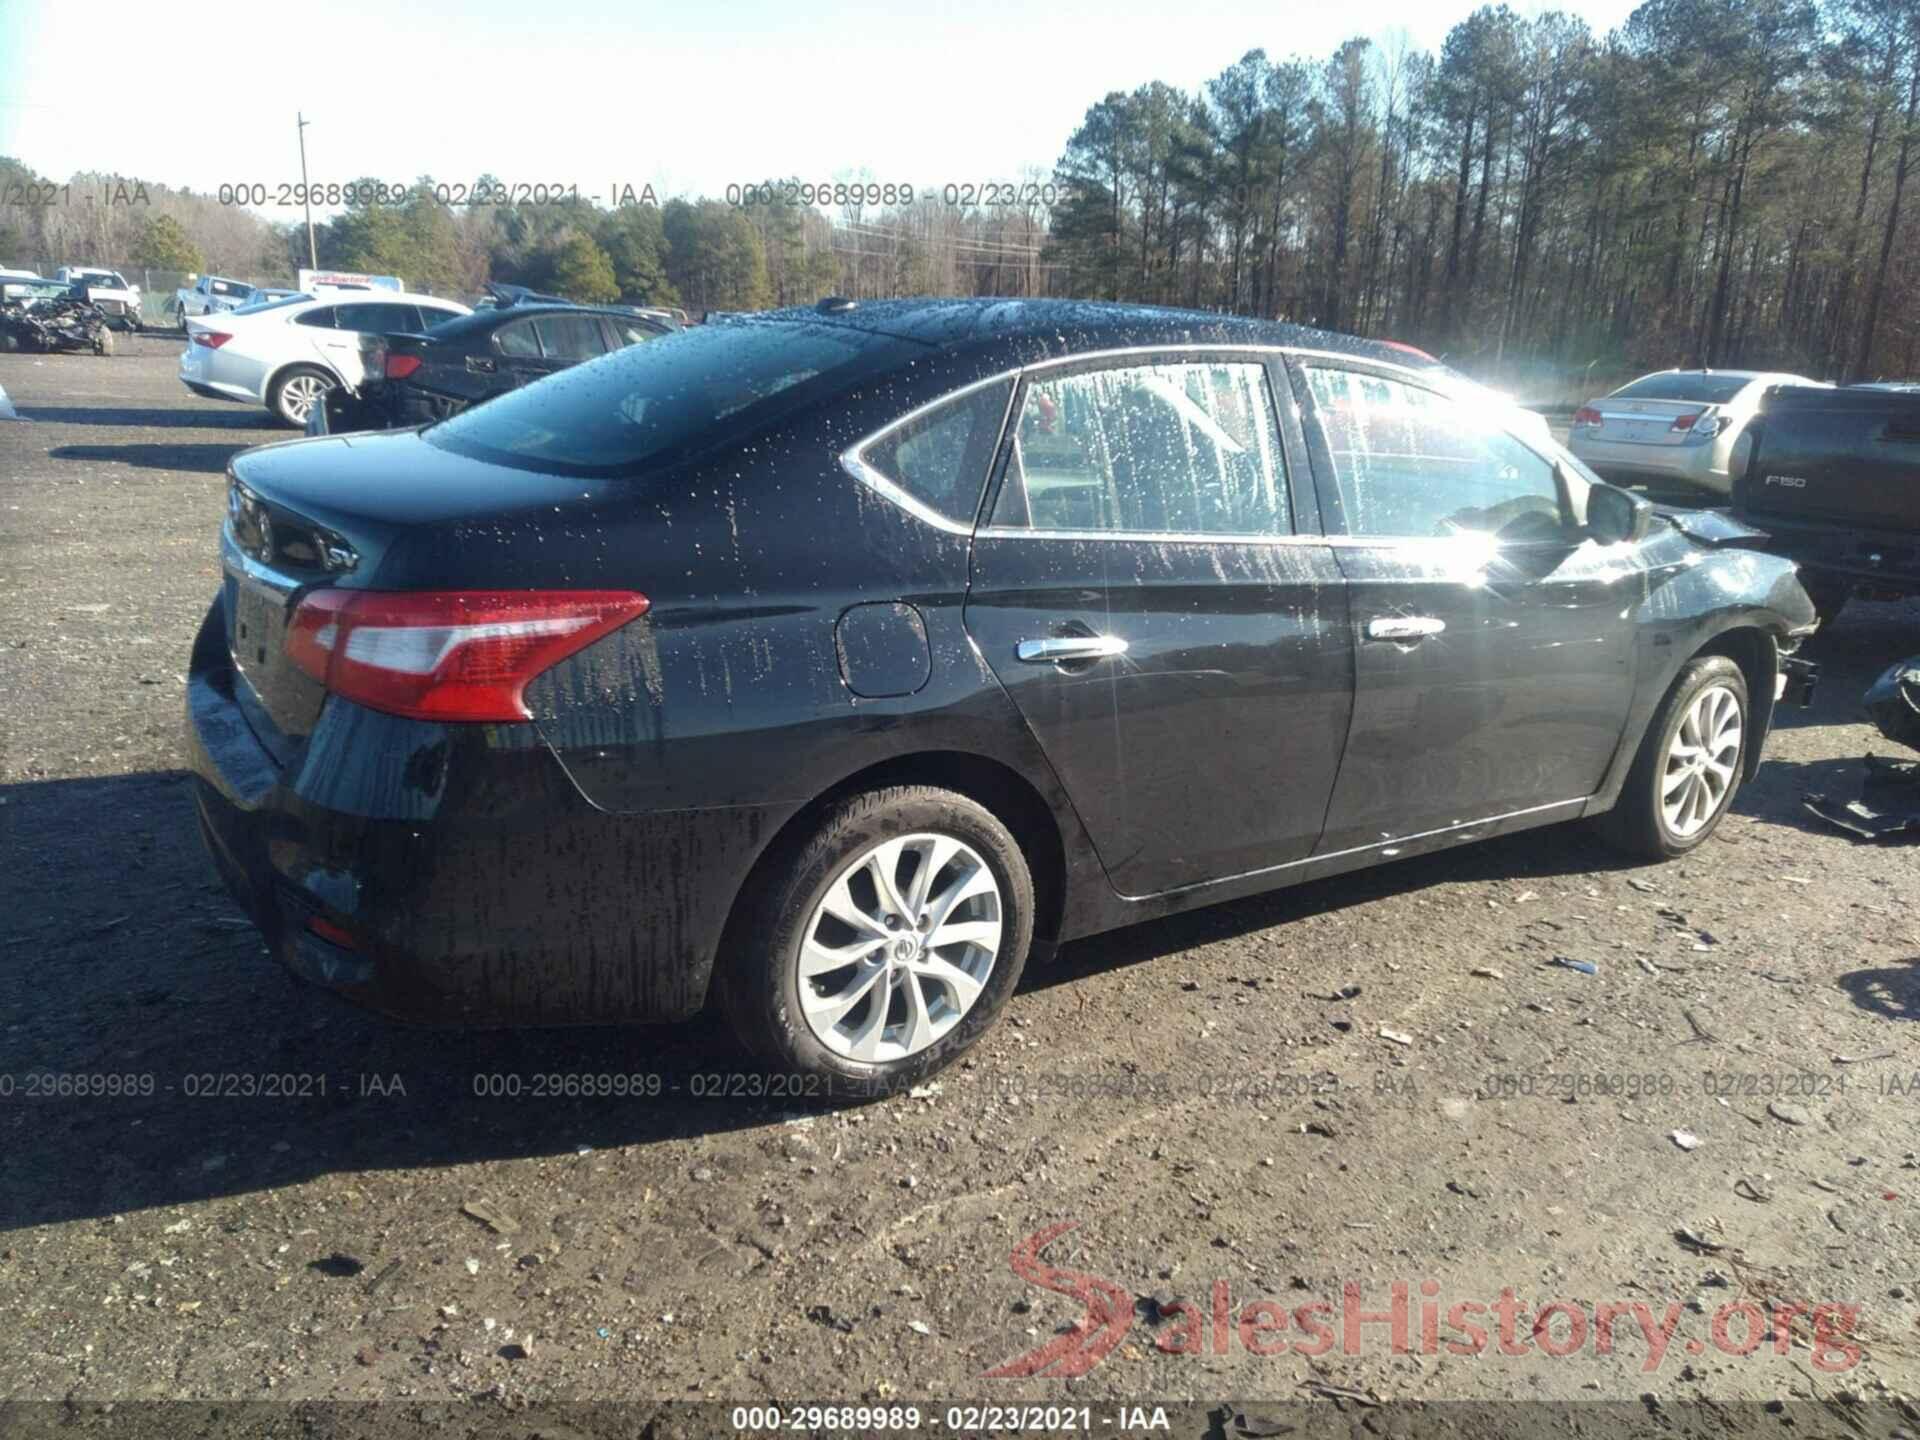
1404	627
479	365
1069	647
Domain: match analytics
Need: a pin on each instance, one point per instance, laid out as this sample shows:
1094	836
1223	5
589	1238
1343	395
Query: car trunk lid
1647	422
338	511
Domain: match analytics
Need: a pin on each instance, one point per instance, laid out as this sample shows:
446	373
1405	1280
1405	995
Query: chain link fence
158	287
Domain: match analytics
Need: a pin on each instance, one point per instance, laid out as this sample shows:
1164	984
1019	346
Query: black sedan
522	337
830	663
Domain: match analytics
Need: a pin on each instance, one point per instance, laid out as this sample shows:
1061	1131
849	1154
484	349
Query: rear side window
667	399
1162	449
570	337
431	316
1695	389
378	318
940	457
322	317
517	339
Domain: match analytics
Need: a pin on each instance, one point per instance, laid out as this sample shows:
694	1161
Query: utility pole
306	199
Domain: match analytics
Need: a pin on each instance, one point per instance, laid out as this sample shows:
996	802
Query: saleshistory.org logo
1467	1327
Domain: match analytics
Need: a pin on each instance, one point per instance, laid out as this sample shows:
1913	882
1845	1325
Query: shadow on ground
1891	992
249	418
209	458
135	979
131	976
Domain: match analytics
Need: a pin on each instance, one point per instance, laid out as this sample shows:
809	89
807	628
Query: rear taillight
400	366
212	339
1586	415
1684	423
448	654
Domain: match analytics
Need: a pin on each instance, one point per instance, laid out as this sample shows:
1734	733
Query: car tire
1670	804
822	1021
293	393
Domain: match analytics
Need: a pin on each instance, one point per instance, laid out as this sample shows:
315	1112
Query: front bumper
455	873
1798	679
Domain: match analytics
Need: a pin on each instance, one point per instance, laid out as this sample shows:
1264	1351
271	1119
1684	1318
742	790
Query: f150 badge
1790	482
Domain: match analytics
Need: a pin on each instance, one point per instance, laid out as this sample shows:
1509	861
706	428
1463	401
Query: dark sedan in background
831	662
519	338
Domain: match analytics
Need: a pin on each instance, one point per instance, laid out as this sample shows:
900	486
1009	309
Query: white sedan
1672	425
286	354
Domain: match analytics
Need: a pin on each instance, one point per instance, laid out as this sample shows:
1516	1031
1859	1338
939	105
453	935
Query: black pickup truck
1833	477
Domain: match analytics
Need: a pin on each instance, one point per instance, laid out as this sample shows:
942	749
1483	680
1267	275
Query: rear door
1492	640
1150	591
363	317
516	359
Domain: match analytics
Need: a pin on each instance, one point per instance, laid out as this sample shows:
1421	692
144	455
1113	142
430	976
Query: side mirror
1615	517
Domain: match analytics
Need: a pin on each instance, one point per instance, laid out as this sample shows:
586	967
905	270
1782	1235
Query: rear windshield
1687	385
658	402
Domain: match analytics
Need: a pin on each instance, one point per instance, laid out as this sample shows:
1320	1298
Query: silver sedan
1673	425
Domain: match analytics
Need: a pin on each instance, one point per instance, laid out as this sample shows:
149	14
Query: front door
1493	652
1150	592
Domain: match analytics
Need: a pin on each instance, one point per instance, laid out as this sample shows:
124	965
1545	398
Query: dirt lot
1212	1102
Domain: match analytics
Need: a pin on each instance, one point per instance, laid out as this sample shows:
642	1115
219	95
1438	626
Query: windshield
254	307
1692	386
662	400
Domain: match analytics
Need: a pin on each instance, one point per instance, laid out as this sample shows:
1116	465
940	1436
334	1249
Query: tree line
1717	182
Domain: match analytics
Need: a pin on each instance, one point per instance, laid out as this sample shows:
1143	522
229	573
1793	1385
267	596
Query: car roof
492	316
1701	370
1024	331
327	296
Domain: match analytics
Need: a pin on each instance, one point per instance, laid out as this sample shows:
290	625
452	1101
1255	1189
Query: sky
687	97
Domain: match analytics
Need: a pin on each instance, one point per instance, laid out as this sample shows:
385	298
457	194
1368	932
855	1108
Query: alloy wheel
1701	761
900	947
299	395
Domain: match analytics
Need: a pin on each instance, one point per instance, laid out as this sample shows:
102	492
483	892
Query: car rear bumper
454	873
218	375
1694	464
209	393
1879	560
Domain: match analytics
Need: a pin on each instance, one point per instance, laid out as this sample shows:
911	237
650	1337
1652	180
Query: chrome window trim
854	462
1167	537
1151	537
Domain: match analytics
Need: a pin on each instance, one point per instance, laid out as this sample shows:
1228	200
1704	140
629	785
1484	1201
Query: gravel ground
1380	1078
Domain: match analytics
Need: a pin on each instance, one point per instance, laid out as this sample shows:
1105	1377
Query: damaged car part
62	322
826	662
